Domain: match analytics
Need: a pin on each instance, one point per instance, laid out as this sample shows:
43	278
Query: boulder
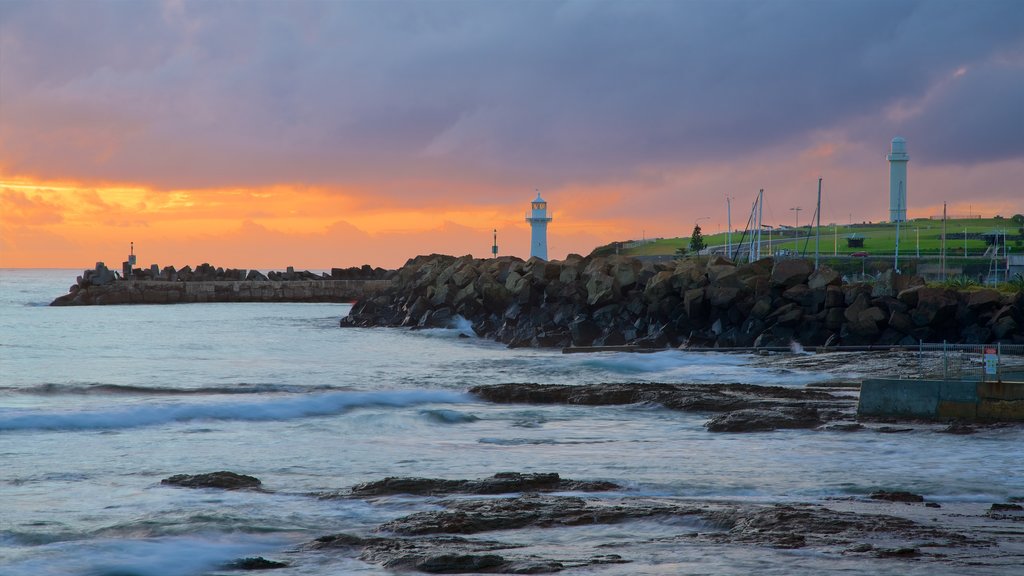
869	322
824	277
223	480
983	299
601	289
789	273
934	305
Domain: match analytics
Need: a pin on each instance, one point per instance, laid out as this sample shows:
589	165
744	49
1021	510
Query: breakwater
100	286
701	302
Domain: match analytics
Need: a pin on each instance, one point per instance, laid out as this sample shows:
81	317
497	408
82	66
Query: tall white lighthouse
538	219
898	159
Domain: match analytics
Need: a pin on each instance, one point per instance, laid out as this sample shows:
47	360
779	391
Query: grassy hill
922	235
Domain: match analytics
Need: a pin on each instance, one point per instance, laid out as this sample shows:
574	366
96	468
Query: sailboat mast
817	237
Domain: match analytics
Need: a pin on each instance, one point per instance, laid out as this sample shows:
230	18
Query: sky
316	134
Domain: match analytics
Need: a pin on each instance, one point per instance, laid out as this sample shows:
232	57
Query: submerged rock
223	480
746	407
501	483
897	496
764	420
528	511
257	563
451	555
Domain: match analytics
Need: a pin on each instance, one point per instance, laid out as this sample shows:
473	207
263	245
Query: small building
1015	265
854	241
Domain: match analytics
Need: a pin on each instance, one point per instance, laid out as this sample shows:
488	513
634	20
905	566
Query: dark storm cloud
216	93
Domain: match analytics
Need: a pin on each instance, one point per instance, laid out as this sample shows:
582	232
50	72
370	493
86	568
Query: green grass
879	239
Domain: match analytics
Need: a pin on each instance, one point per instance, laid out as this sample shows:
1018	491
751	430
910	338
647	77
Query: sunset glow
364	136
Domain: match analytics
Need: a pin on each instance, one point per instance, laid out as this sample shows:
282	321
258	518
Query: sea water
98	404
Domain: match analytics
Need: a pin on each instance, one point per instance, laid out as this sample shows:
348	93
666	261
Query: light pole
770	228
797	209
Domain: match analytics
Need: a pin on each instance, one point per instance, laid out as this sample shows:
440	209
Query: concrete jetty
943	399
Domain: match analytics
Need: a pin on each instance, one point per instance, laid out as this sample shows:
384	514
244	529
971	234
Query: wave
442	416
91	388
280	409
668	360
539	441
175	556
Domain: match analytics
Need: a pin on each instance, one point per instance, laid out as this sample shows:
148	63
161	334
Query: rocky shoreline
893	527
480	526
699	302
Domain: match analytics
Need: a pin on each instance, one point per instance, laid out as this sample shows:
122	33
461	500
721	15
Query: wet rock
843	427
897	552
528	511
764	420
223	480
803	525
959	428
501	483
257	563
1006	508
896	496
450	555
459	563
685	397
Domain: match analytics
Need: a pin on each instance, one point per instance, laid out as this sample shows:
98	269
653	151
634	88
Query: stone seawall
612	301
161	292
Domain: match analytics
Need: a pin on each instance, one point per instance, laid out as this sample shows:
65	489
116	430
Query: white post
896	260
728	231
760	213
817	237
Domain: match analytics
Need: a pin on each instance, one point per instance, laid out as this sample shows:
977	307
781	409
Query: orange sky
65	224
68	224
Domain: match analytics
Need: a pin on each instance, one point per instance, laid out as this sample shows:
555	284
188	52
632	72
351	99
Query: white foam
277	409
150	557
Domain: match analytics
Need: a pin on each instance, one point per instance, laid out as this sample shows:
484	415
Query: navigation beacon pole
494	247
538	219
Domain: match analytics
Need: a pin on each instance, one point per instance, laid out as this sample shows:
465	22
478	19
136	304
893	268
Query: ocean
99	404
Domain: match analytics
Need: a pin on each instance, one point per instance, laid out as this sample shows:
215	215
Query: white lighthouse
898	159
538	219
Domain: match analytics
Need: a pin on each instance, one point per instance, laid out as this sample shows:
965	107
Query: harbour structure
898	159
538	219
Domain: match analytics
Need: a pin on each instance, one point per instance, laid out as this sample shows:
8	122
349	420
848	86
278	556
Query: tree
681	251
1018	219
697	239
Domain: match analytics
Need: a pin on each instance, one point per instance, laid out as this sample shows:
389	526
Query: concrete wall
159	292
943	399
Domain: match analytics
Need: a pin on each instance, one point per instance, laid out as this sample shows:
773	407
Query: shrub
960	282
1017	282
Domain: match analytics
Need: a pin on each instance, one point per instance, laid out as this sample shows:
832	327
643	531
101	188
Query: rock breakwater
705	302
206	283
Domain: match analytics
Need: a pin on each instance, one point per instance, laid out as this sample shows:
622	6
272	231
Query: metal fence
970	361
